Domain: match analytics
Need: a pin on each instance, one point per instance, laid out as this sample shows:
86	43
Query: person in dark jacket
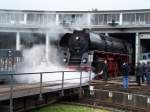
125	73
105	71
139	72
148	72
144	72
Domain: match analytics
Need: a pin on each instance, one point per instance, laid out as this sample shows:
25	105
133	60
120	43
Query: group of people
142	72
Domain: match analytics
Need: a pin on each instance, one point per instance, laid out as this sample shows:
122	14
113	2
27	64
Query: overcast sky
74	5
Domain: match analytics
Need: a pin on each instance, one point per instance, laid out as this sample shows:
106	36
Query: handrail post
90	60
62	88
41	80
11	93
80	94
90	76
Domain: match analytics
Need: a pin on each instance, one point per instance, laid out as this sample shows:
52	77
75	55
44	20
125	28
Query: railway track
111	94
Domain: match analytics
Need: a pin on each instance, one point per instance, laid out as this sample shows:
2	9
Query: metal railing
121	98
61	81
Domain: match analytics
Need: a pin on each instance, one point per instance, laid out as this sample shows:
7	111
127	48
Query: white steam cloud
34	60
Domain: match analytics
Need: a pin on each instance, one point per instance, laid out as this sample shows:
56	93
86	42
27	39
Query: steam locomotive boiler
86	49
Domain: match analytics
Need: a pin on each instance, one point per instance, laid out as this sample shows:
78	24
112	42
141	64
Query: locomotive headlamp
65	60
77	38
84	60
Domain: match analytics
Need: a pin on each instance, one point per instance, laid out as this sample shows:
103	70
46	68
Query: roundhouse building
25	27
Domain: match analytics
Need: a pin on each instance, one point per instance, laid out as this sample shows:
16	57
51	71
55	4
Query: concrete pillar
120	18
24	21
17	41
88	19
137	48
57	19
47	47
25	18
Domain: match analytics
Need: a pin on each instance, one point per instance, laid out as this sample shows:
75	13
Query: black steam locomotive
84	47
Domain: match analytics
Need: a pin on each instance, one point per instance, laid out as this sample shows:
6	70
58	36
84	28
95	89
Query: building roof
94	11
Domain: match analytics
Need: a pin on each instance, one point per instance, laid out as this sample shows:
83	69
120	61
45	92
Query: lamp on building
113	23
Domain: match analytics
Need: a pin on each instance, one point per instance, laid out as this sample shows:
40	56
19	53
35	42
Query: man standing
143	72
125	73
139	72
105	71
148	72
